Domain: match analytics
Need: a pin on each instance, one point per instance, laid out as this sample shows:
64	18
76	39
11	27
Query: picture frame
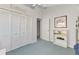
60	22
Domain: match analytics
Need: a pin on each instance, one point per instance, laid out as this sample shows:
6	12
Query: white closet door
22	23
34	29
18	30
23	33
29	29
15	21
22	30
5	29
14	42
25	30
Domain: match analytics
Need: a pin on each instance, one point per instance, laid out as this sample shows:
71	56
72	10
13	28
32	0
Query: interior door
45	29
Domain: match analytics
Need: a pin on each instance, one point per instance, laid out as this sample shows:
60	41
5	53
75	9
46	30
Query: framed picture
60	22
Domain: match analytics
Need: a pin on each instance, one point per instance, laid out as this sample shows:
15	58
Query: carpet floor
41	47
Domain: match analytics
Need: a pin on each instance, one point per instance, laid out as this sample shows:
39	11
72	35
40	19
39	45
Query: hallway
41	47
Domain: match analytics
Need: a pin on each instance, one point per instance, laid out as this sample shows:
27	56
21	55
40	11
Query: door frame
39	19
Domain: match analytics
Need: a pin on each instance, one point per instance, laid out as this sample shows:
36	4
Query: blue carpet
41	47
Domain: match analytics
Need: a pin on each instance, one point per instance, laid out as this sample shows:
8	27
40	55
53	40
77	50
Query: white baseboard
3	52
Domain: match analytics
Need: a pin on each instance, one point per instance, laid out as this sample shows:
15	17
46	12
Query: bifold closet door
34	29
4	30
23	29
29	29
19	35
15	30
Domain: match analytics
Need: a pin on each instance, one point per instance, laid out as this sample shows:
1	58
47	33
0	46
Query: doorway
38	28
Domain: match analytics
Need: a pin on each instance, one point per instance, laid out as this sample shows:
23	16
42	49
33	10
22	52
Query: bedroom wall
72	12
15	17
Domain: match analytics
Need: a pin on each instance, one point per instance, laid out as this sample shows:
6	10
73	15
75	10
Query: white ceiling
48	5
40	5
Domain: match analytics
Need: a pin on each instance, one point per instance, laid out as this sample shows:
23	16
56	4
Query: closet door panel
15	41
29	29
5	42
15	30
22	23
34	29
18	30
24	30
4	24
4	29
15	23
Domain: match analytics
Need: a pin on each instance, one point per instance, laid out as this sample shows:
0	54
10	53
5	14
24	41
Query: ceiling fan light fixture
34	5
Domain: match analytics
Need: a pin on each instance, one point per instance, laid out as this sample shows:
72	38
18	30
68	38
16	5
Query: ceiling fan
37	5
40	5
